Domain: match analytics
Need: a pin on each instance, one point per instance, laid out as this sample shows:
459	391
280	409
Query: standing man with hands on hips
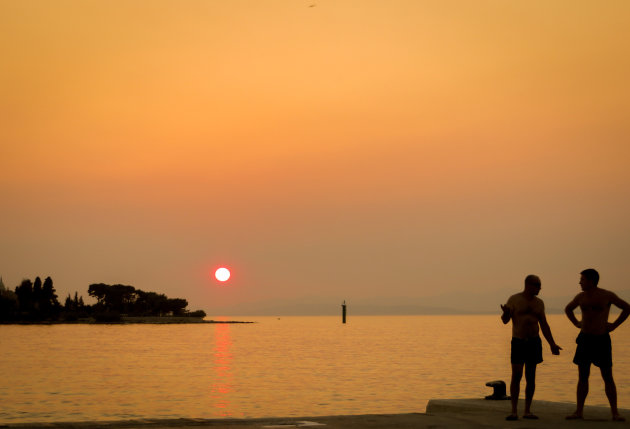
593	342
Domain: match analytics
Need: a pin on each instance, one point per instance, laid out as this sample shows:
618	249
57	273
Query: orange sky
355	150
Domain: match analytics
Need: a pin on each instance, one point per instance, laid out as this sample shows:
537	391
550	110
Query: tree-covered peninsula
37	302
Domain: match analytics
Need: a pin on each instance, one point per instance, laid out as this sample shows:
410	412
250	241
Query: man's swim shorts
526	350
595	349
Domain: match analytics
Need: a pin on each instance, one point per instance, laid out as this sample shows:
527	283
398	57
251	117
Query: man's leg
584	371
611	392
515	386
530	387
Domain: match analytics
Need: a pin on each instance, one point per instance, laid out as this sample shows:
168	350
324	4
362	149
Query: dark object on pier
343	312
499	390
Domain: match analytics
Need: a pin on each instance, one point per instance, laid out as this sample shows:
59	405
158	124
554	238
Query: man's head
589	279
532	284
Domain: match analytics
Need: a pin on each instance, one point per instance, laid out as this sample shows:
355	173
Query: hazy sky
380	152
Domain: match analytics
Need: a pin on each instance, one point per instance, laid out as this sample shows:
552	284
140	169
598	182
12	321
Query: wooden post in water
343	312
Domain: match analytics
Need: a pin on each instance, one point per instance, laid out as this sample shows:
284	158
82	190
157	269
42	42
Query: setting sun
222	274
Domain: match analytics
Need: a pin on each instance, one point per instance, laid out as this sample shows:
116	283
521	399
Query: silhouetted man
593	342
527	312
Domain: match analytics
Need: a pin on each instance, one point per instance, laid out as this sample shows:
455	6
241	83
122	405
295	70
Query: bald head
532	285
532	280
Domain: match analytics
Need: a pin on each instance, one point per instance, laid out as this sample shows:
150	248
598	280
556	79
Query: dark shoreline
167	320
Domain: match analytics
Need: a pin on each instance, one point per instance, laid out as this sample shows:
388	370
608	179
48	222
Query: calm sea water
293	366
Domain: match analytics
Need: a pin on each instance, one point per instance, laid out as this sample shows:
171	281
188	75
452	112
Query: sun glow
222	274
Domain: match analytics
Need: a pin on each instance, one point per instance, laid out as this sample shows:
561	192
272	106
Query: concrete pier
441	413
552	415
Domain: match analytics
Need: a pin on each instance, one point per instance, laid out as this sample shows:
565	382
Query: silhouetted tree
37	295
49	305
8	304
74	308
161	305
37	301
68	305
24	294
149	304
141	305
176	306
197	313
99	291
121	297
113	298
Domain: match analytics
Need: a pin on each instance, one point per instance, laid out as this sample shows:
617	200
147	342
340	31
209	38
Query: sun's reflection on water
222	377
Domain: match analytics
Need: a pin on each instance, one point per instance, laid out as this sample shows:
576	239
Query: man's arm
625	311
507	314
546	330
507	310
569	311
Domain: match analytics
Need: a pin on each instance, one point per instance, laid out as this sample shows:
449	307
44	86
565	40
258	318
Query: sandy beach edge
440	413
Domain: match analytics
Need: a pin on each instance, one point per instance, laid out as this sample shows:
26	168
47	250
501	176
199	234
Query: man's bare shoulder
538	305
515	298
598	293
606	292
579	297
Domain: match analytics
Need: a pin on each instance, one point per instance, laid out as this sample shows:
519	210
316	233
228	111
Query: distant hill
447	303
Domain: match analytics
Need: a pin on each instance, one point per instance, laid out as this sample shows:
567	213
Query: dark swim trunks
526	351
595	349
